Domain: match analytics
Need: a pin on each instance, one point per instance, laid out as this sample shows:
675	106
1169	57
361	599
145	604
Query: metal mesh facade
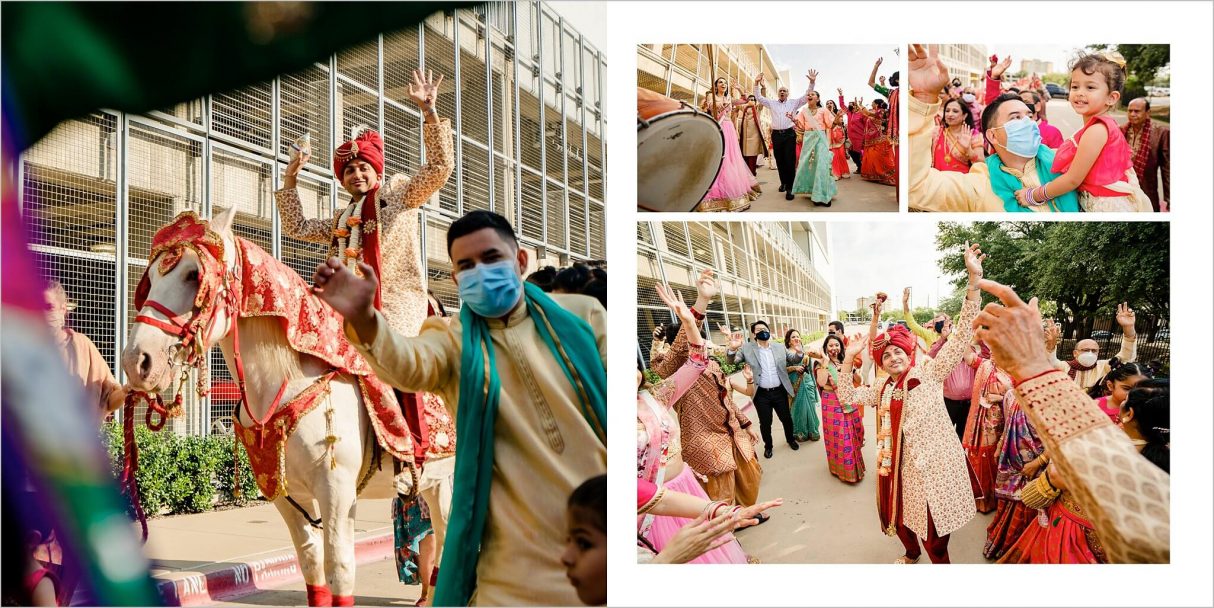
523	91
764	270
684	71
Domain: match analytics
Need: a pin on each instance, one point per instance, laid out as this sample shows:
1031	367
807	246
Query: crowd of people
520	370
808	141
973	414
992	148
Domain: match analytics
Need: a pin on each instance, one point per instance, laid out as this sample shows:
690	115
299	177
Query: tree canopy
1141	60
1078	270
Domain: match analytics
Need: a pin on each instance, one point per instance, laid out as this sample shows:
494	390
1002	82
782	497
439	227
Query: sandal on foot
906	560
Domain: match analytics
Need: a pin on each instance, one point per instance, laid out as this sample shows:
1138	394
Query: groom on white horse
379	226
524	372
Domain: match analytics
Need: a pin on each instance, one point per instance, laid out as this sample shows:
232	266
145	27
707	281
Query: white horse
326	490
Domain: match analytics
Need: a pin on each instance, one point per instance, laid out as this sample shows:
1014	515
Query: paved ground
855	194
375	585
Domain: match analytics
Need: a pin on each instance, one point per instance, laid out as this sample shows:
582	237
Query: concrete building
779	272
967	62
686	71
1037	66
525	95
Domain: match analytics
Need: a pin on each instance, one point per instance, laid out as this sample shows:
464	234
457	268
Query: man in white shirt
783	138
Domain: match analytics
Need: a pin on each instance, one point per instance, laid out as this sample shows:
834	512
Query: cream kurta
543	447
1088	379
934	473
934	190
1123	494
404	286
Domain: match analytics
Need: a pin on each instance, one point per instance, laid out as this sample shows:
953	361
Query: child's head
585	556
1096	82
1118	382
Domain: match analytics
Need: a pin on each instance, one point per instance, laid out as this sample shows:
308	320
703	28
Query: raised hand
706	285
905	299
298	162
1013	331
973	262
855	347
1053	333
878	63
747	374
998	70
424	90
659	331
351	296
735	340
1126	319
840	90
674	301
812	75
759	79
928	76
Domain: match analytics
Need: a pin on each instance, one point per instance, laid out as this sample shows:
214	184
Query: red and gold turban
368	147
896	336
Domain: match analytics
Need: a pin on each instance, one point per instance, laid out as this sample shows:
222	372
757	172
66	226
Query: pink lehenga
658	445
735	187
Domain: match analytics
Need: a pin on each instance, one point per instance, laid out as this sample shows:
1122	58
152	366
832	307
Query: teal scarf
1005	185
575	348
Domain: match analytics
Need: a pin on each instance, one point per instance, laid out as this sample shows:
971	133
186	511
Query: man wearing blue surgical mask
524	374
1017	159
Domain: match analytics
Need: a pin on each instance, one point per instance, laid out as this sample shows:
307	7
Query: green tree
1078	270
1059	78
923	314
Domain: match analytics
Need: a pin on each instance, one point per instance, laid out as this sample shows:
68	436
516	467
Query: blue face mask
1023	137
491	290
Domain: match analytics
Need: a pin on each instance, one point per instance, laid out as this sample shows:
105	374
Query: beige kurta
934	473
1124	495
748	134
85	363
1088	379
543	447
404	285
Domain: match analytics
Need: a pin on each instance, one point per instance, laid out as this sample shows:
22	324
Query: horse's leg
335	490
308	547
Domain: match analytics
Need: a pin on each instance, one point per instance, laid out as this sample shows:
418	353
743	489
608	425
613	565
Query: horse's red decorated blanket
270	288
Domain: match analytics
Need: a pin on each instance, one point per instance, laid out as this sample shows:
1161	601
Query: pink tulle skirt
665	527
734	187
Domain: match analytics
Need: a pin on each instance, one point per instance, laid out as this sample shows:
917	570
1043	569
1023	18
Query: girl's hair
573	278
836	338
830	103
592	497
1116	374
1114	75
880	103
442	310
966	115
672	331
1149	404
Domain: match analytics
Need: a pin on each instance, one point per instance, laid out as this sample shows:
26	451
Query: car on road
1055	90
1101	334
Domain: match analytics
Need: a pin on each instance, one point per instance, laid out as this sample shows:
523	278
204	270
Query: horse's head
184	299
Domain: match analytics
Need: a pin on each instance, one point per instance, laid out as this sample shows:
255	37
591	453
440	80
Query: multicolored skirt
1011	518
1064	536
410	524
842	433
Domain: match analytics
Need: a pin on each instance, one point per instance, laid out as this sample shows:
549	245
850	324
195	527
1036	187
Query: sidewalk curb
238	579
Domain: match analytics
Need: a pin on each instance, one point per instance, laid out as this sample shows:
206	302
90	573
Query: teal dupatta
1005	184
575	348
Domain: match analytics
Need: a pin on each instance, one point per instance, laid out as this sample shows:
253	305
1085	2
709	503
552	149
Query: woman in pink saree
842	427
659	458
735	187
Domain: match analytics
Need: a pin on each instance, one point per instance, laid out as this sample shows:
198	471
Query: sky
589	18
886	256
846	66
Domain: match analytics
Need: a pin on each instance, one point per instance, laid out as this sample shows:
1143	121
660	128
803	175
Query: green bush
182	474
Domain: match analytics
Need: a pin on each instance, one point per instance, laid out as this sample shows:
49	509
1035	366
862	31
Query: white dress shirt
778	108
768	378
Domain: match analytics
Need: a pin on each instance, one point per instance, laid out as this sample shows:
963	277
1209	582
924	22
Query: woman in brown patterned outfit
718	439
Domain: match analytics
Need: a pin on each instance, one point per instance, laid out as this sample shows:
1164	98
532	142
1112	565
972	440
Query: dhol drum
679	151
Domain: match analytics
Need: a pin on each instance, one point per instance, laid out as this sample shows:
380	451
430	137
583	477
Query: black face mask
939	326
763	336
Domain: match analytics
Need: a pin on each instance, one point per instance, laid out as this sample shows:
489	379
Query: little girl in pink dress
1096	160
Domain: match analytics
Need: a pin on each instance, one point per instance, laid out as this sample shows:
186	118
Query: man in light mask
1086	367
1017	158
524	374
